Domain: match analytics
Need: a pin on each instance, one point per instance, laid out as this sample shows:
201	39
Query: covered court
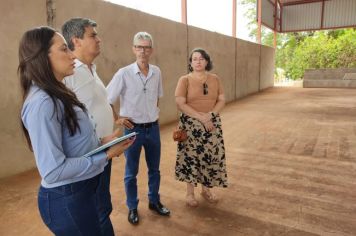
291	159
291	152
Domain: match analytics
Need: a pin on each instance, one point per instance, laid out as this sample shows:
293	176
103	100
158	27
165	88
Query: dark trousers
72	209
149	139
104	205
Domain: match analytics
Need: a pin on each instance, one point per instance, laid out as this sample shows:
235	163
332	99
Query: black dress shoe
133	216
159	208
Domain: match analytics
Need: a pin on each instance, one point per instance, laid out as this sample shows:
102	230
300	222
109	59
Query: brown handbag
179	135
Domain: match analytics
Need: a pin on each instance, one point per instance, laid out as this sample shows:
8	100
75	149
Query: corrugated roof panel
301	17
339	13
267	13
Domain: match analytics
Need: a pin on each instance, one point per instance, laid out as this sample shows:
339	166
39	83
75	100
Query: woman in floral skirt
201	157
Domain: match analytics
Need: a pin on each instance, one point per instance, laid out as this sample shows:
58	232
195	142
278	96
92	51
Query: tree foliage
323	49
299	51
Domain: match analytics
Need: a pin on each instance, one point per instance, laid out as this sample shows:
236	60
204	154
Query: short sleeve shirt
137	94
193	90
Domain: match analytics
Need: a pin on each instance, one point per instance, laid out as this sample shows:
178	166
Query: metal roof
303	15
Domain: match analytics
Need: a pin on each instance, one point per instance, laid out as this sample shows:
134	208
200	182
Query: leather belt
145	125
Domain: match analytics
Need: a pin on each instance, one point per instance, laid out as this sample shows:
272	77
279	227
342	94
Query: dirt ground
291	159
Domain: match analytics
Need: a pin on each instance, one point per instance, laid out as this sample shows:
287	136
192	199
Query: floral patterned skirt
201	158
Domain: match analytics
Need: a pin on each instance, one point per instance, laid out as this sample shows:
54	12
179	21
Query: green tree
324	49
299	51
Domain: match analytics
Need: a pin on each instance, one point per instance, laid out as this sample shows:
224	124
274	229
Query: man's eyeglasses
139	47
205	88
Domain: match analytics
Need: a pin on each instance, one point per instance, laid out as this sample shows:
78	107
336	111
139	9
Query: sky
213	15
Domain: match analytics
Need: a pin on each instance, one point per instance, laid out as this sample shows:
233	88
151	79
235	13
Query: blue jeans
71	209
149	139
103	197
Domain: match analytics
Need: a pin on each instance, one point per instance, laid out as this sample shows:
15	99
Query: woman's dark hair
35	68
205	55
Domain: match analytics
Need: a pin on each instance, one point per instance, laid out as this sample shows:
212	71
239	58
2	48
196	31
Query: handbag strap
186	96
186	89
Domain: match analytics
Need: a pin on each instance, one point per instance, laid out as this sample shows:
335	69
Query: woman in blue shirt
59	132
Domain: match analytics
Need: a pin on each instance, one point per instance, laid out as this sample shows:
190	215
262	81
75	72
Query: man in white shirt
83	40
137	88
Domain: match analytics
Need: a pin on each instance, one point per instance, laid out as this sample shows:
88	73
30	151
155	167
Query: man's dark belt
146	125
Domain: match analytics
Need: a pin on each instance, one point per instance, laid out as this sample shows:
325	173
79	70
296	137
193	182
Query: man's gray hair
142	36
75	28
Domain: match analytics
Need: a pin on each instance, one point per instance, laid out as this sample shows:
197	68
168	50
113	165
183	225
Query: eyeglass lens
139	47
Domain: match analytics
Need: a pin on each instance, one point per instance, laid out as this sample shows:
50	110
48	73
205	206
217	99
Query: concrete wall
266	67
221	49
247	64
14	155
244	67
117	27
330	78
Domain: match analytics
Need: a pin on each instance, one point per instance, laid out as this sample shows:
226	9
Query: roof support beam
184	11
275	23
234	18
322	15
280	18
259	20
301	2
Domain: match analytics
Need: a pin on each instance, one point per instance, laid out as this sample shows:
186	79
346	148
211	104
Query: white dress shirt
91	91
137	94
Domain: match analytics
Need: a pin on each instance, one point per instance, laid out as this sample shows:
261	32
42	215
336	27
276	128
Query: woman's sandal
211	198
191	201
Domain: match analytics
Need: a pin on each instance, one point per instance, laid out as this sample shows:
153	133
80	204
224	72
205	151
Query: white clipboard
111	143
